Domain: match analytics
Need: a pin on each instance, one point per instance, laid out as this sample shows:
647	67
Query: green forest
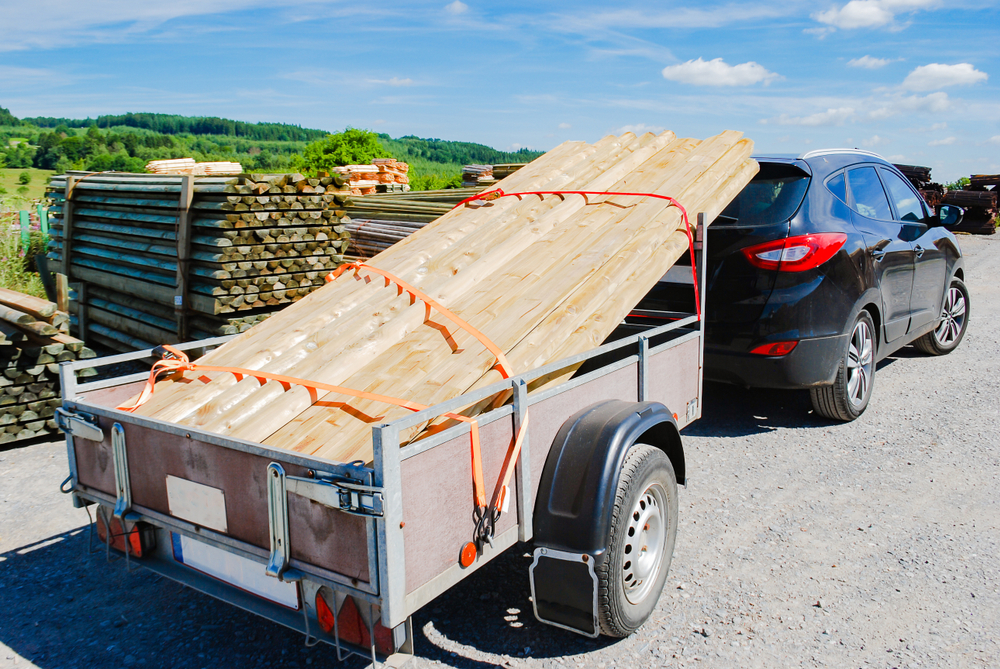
126	142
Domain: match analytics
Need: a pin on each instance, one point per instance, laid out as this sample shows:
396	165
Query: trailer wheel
641	545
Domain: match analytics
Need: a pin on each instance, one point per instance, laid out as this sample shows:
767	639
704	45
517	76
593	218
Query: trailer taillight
141	537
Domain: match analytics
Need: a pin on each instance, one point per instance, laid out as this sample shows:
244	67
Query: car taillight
796	254
775	348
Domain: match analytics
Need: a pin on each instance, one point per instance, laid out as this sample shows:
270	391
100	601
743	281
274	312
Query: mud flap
564	590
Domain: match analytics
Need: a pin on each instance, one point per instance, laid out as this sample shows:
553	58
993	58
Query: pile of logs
979	199
384	175
189	166
33	341
920	177
376	222
160	259
542	277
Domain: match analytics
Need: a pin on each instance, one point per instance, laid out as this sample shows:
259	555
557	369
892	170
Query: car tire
951	327
851	391
641	545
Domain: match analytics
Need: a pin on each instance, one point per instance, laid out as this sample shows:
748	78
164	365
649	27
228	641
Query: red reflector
796	254
325	615
140	537
777	348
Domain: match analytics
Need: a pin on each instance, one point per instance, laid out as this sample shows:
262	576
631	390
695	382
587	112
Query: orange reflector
777	348
138	537
468	554
325	615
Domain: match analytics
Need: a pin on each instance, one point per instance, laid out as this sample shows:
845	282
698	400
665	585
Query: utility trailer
346	552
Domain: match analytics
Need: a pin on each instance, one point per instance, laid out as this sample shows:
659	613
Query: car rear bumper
814	362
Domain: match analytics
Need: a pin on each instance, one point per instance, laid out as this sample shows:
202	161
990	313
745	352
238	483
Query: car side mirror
949	215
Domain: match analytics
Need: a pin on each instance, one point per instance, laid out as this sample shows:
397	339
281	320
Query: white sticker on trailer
236	570
197	503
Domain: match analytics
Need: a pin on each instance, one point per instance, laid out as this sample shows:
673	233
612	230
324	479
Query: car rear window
773	196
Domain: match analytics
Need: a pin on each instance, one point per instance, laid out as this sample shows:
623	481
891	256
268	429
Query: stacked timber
920	177
979	199
153	271
33	341
376	222
504	170
384	175
542	277
477	176
189	166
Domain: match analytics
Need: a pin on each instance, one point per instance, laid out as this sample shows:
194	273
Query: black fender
578	483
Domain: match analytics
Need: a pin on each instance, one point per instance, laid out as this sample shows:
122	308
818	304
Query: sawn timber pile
542	277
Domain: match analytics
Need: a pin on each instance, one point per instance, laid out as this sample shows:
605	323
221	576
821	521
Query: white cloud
830	117
718	73
936	75
869	63
947	141
995	139
639	129
456	8
874	141
819	32
565	126
856	14
870	13
934	103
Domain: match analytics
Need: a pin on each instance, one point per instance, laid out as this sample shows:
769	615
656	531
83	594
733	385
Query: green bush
17	268
24	178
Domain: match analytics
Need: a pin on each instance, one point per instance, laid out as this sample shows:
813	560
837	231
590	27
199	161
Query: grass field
36	188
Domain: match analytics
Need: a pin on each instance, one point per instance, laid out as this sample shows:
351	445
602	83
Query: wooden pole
183	256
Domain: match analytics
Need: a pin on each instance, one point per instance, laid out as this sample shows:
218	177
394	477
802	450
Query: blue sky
915	80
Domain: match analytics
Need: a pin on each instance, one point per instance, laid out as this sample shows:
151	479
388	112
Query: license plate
235	570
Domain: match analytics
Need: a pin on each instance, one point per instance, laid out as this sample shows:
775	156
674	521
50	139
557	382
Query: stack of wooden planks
33	341
384	175
231	250
376	222
920	177
541	277
979	199
477	176
189	166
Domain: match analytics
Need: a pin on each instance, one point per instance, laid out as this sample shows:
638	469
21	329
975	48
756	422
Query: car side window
908	205
838	186
867	195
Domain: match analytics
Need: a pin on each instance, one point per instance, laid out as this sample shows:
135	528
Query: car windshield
772	197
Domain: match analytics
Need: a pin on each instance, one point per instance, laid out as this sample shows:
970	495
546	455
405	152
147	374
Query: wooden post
183	256
43	219
82	315
25	230
62	291
67	234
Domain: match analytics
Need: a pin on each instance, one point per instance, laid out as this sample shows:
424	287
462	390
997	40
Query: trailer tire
641	543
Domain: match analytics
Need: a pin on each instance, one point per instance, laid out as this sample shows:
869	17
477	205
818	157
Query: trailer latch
82	425
349	497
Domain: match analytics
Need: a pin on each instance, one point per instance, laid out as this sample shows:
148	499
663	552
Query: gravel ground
801	543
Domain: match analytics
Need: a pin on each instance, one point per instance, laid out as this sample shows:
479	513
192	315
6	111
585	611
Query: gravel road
801	543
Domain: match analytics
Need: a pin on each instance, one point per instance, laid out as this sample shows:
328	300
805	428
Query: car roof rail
826	152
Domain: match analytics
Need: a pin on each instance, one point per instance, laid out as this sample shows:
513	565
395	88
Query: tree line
87	145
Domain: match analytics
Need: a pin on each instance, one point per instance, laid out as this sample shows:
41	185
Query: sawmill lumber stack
33	341
477	175
189	166
541	277
376	222
384	175
920	177
979	199
161	258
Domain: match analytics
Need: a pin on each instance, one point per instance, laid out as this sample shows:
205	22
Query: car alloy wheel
860	363
952	318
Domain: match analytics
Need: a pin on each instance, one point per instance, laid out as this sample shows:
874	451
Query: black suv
822	266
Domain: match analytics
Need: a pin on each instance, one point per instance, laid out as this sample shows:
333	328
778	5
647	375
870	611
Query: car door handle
918	250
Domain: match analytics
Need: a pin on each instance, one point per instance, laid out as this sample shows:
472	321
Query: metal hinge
337	493
82	425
